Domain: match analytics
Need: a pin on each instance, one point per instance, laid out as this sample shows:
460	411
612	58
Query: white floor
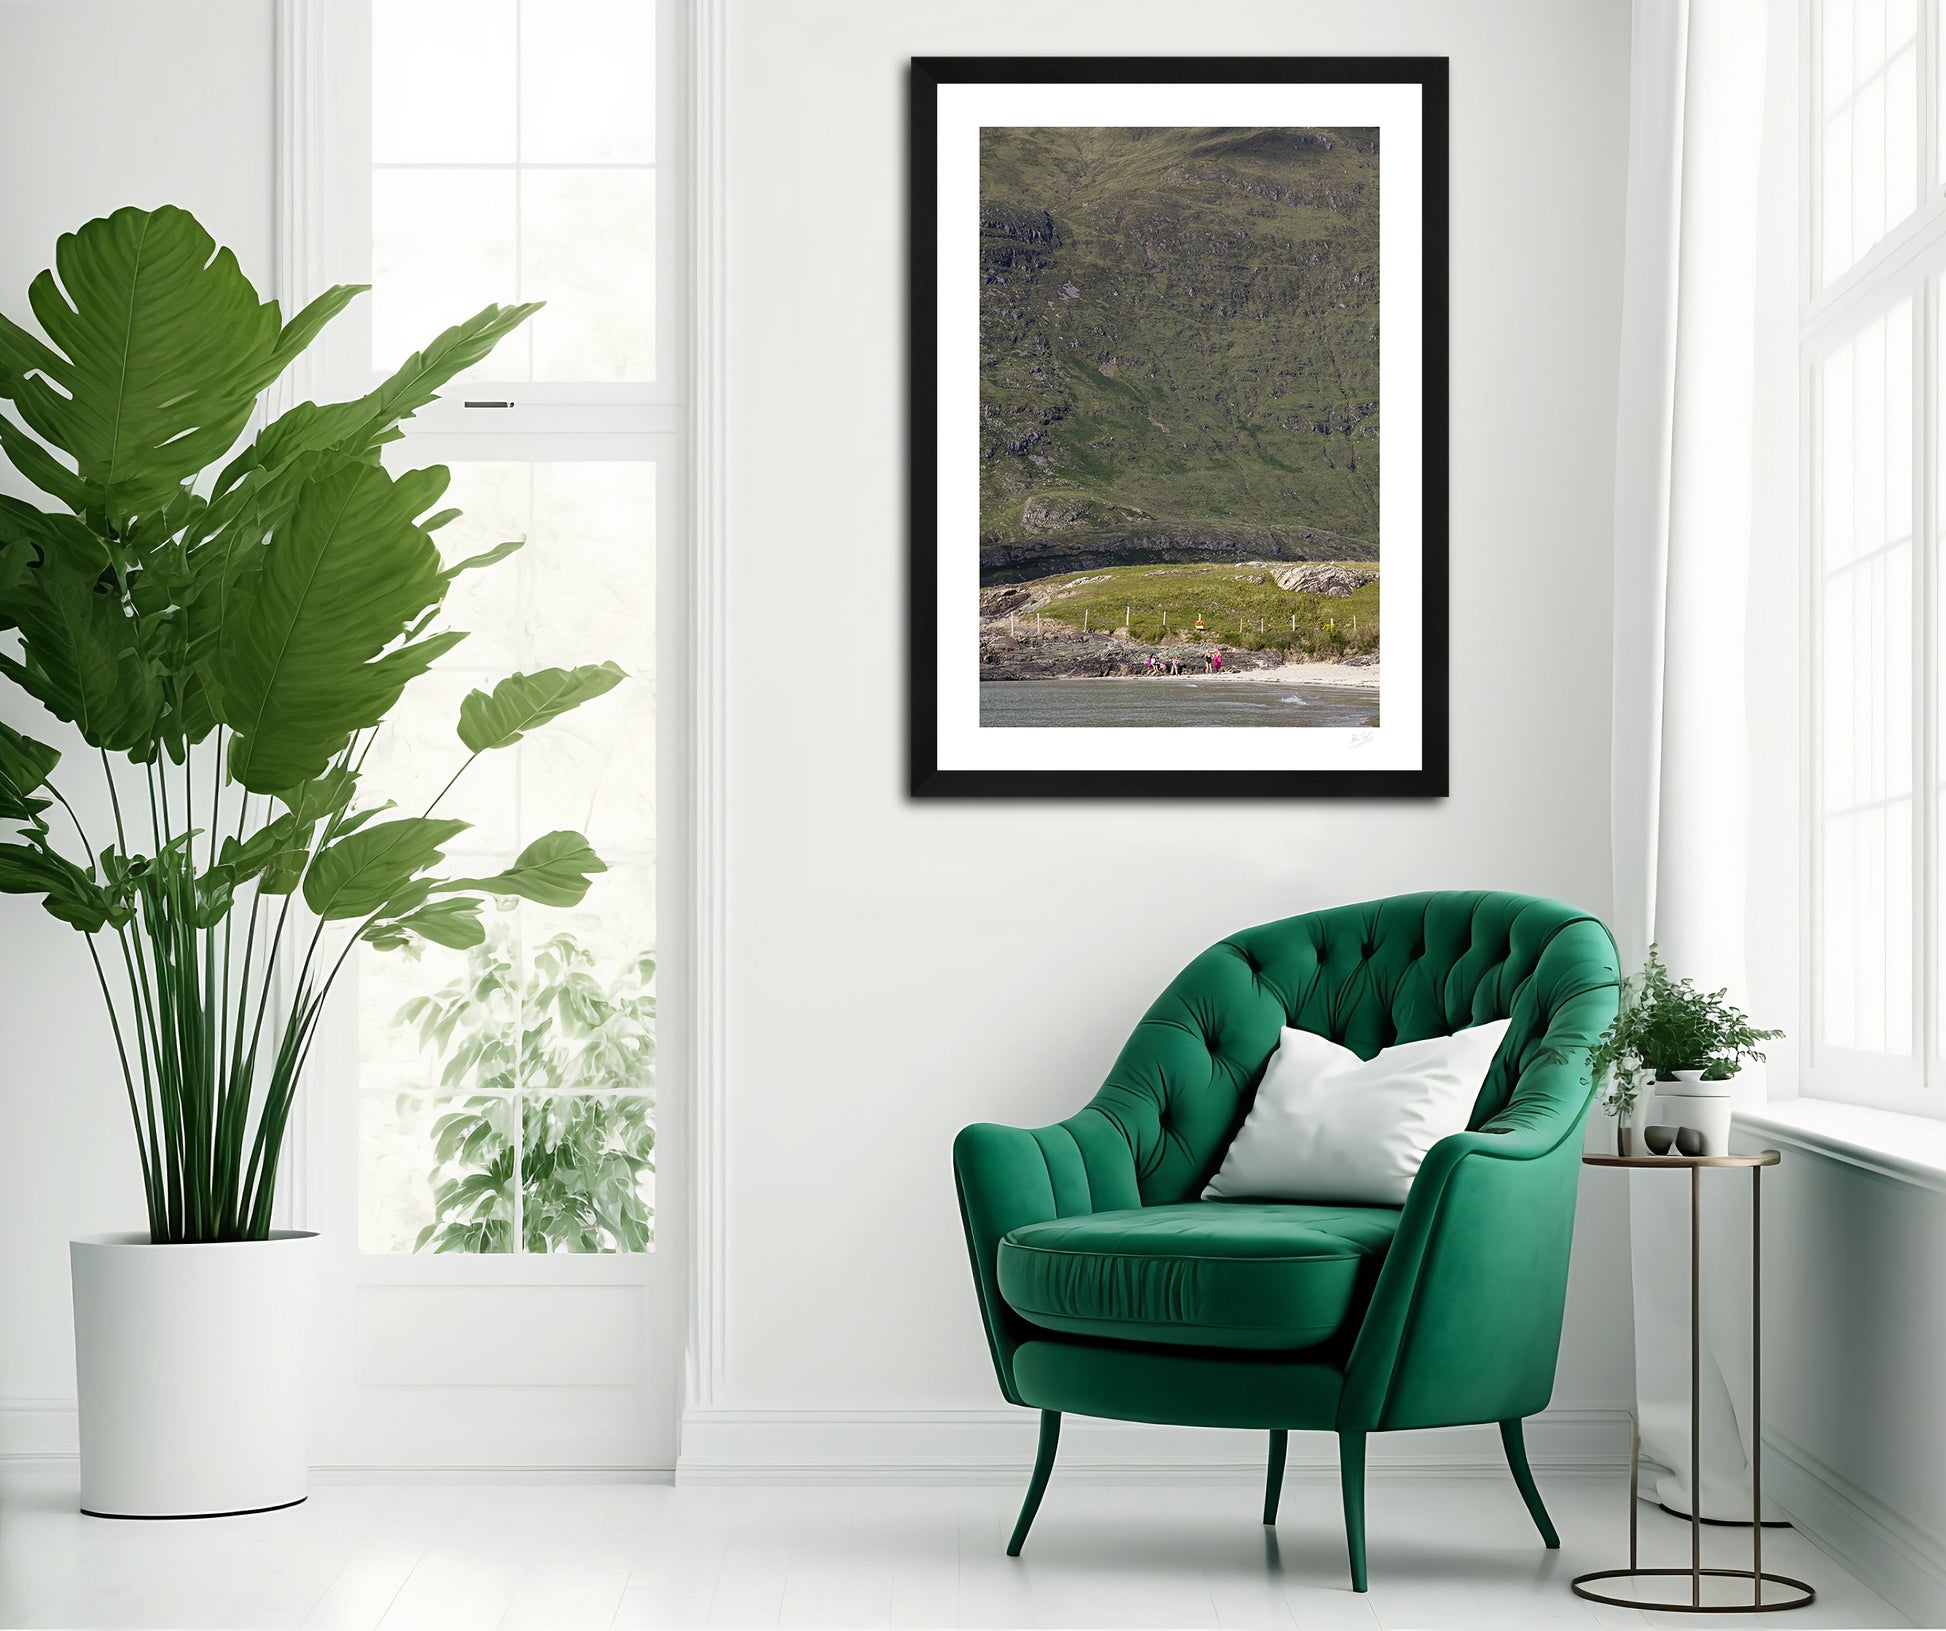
415	1557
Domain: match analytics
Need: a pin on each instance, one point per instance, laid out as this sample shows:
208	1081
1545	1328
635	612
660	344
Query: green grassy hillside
1239	606
1179	326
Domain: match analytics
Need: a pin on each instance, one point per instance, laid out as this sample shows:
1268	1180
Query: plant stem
80	831
128	1084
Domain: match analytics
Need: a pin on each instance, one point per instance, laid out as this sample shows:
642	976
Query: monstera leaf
79	654
25	766
156	349
524	702
361	427
299	667
71	895
362	874
453	923
552	871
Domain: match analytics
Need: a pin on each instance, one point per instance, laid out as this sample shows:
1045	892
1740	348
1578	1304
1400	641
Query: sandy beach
1345	676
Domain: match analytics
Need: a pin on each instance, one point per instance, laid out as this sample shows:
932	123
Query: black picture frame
926	778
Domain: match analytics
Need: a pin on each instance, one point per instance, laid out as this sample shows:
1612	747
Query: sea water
1173	702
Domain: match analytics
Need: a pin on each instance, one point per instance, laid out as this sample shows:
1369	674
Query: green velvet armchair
1109	1288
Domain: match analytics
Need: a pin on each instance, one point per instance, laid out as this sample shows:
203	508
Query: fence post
1084	622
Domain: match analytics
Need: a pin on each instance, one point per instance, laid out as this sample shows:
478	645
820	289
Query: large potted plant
220	631
1687	1043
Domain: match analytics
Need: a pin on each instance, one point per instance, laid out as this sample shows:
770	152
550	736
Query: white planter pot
1689	1101
191	1363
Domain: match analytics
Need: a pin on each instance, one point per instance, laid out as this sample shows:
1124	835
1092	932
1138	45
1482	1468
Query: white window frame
1909	263
574	1415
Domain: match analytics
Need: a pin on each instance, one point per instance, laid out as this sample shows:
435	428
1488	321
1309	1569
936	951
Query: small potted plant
1689	1043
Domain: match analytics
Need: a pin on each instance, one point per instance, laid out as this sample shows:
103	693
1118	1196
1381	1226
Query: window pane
587	247
514	147
1868	133
587	69
1863	956
588	1182
443	246
443	81
554	1005
435	1173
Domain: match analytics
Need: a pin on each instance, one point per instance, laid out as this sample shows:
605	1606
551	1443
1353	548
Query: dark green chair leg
1351	1474
1516	1448
1274	1485
1037	1487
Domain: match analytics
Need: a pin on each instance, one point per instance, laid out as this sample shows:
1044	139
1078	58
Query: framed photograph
1178	496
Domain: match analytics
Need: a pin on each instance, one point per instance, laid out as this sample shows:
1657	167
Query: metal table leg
1695	1571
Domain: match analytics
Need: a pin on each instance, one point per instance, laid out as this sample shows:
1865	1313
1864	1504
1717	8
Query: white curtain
1682	535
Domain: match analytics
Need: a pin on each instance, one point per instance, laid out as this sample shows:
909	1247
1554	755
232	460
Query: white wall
897	969
109	102
1855	1335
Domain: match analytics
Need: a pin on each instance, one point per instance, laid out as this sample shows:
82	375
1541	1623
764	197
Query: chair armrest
1010	1176
1465	1321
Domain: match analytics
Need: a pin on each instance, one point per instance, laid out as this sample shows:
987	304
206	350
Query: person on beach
1152	665
1216	661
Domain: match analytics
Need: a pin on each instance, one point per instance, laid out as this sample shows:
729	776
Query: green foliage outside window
576	1052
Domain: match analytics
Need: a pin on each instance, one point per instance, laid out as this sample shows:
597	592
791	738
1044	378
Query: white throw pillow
1331	1127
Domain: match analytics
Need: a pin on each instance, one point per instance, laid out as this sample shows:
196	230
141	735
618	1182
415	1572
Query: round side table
1800	1592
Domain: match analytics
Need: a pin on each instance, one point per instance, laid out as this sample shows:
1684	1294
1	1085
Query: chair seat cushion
1213	1274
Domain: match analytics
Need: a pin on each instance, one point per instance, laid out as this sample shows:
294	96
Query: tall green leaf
453	923
359	875
79	654
299	668
156	349
277	851
524	702
25	766
71	895
360	427
552	871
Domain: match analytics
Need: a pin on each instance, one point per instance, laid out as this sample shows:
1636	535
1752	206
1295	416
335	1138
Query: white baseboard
722	1446
1901	1562
38	1430
412	1476
43	1433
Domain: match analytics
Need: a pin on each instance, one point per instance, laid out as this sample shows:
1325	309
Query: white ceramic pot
1637	1120
1689	1101
192	1369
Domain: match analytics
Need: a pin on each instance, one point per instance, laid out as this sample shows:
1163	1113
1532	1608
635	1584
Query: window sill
1908	1149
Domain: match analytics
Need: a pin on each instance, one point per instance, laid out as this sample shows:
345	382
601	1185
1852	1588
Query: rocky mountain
1178	346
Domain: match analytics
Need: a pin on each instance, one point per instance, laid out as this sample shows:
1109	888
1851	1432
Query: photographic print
1179	511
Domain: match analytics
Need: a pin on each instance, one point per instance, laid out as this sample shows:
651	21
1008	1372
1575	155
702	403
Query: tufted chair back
1366	976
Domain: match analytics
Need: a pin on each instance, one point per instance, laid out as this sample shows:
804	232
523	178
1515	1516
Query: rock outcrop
1326	578
1161	543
